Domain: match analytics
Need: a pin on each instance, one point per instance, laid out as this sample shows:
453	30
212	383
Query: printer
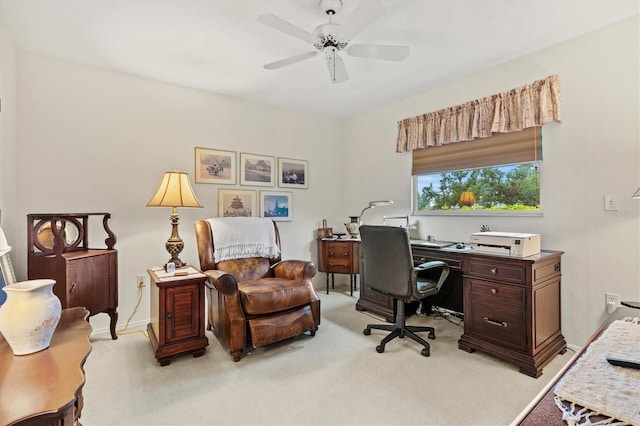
506	243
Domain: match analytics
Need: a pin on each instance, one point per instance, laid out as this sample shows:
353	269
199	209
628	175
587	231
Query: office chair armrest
430	265
294	269
224	282
436	264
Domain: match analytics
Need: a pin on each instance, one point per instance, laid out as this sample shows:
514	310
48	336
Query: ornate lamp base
174	244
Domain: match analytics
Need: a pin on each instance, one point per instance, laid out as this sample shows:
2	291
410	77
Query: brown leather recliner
257	301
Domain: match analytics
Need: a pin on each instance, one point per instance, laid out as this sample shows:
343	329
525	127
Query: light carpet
333	378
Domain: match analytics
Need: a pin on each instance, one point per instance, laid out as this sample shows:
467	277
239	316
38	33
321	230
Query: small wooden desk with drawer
337	256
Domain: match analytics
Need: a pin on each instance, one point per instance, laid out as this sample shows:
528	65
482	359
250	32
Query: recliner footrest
279	326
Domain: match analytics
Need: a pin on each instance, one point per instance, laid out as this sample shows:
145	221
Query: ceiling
218	45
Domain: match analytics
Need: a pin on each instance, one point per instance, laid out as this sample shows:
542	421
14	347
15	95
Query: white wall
92	140
8	134
594	151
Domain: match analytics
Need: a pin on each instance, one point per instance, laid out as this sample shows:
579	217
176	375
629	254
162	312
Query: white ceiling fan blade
378	51
364	15
288	61
337	70
286	27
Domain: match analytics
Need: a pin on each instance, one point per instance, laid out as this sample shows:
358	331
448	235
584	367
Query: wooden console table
511	305
45	388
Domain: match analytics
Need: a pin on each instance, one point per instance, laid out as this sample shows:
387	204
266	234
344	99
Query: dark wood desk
542	410
45	388
511	305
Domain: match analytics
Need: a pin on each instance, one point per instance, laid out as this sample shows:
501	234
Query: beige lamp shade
174	191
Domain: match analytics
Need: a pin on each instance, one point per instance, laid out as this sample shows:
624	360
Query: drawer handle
331	253
73	288
494	291
169	315
494	271
492	322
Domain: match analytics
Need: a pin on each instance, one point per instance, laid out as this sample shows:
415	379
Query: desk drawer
342	266
338	250
496	293
498	271
498	324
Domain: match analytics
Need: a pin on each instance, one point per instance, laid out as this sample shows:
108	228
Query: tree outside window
513	187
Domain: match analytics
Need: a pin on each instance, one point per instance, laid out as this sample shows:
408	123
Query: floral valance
512	111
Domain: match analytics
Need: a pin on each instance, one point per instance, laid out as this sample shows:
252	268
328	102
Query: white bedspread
242	237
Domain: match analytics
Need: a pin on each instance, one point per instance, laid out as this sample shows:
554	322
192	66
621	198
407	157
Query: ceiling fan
332	38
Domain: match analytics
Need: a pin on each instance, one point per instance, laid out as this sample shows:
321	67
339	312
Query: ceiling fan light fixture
330	7
331	39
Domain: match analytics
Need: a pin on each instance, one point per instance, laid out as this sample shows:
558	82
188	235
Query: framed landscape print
236	203
293	173
276	205
215	166
257	170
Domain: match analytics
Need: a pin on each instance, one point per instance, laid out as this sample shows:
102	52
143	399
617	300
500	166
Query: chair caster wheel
425	352
379	349
432	335
366	331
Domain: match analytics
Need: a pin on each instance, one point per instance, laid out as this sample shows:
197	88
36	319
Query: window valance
511	111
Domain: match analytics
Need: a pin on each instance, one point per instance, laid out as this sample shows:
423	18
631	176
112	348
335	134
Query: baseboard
133	327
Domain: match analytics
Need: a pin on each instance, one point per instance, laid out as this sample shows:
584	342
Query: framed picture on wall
237	203
276	205
215	166
293	173
257	170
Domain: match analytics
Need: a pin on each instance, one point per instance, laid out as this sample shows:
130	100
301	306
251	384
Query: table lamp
174	191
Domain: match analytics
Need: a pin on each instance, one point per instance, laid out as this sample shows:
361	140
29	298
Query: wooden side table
45	388
177	314
339	257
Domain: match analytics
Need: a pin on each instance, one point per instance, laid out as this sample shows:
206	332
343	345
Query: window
496	175
508	188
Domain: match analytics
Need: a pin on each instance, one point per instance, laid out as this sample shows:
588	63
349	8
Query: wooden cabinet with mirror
59	248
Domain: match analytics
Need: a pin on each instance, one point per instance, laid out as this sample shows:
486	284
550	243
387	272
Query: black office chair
387	267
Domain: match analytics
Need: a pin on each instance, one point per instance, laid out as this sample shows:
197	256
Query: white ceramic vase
30	315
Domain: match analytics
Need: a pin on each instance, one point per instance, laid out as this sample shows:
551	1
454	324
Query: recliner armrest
294	269
224	282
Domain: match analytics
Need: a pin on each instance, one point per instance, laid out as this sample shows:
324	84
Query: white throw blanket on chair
242	237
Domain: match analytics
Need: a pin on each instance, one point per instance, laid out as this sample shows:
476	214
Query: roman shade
502	148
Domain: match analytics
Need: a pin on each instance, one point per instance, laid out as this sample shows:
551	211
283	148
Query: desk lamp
355	221
174	191
373	204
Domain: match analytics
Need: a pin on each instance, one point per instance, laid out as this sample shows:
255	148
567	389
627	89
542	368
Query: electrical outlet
140	280
612	301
